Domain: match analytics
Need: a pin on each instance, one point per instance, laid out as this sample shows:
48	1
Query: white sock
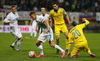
35	33
90	53
14	43
18	44
32	32
59	48
41	50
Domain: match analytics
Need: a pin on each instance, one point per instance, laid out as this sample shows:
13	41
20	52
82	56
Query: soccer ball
31	54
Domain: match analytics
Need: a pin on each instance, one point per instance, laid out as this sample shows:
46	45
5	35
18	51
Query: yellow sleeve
70	44
64	12
50	14
84	24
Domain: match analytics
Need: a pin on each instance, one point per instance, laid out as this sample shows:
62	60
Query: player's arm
50	19
84	24
31	22
19	17
46	22
51	23
69	46
36	27
68	18
7	20
65	13
86	21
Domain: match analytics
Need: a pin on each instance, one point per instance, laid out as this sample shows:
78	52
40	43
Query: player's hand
69	22
47	31
36	30
20	17
83	19
11	21
68	54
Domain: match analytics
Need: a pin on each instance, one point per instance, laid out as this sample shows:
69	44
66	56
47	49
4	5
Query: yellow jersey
58	15
76	33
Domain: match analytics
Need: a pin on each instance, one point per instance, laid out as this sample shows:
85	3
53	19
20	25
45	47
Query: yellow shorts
60	27
77	48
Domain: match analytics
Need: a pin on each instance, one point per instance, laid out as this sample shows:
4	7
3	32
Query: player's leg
57	47
57	33
39	45
75	52
86	49
32	29
57	42
13	33
35	33
31	33
13	44
20	38
42	38
19	43
66	34
65	31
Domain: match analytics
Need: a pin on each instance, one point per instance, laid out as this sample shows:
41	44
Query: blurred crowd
68	5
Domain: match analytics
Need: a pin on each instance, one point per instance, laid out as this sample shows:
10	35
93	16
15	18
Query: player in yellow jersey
58	15
76	35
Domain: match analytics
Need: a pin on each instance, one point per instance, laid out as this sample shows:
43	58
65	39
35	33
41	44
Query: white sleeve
17	15
41	19
6	20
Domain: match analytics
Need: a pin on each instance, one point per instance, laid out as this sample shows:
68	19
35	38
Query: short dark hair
13	6
55	3
32	12
69	25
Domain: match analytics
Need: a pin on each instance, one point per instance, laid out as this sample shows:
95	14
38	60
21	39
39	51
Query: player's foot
18	50
92	55
12	47
63	53
57	51
66	49
30	36
40	56
74	55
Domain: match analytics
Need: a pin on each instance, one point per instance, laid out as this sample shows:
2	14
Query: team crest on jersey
60	12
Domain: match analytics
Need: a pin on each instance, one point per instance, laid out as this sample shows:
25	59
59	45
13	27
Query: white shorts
15	32
44	36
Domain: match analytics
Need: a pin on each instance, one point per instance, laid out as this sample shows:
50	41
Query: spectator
73	7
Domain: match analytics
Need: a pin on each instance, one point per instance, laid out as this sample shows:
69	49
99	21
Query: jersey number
76	33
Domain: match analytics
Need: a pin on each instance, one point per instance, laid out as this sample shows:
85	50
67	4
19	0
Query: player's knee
37	44
52	45
57	37
21	38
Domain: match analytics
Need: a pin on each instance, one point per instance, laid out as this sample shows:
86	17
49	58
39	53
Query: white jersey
41	24
45	17
13	26
44	36
13	17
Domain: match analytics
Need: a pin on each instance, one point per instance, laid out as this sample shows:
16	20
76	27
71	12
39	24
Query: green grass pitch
28	44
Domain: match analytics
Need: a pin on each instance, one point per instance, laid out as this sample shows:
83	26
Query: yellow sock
66	43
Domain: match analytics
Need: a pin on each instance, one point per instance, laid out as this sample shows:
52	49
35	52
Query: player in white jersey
44	15
46	31
33	22
12	18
